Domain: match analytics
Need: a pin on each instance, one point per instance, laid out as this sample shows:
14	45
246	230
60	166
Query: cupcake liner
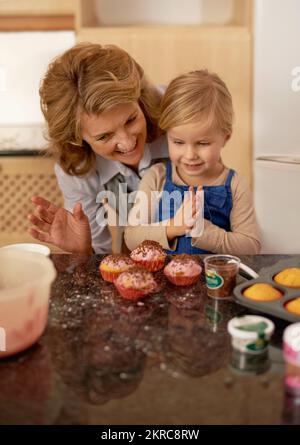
130	293
182	281
109	276
152	266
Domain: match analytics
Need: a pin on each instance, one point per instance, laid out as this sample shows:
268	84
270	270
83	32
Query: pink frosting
188	268
149	255
116	262
148	251
137	280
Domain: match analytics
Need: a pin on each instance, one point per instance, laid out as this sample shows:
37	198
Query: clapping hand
55	225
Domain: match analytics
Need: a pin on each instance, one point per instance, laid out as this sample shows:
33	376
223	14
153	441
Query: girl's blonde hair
91	78
198	96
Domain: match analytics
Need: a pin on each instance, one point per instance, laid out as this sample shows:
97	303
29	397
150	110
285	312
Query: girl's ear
226	138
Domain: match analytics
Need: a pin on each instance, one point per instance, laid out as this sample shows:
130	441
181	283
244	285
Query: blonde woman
102	117
197	115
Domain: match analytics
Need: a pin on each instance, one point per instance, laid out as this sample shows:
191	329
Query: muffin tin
275	308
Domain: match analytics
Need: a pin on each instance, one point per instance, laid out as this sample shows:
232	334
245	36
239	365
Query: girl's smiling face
117	134
196	152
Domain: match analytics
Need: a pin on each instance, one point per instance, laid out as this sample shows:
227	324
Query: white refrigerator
276	124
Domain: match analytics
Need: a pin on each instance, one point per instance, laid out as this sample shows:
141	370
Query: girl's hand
198	226
55	225
185	217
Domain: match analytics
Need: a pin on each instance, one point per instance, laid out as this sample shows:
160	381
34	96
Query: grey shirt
85	189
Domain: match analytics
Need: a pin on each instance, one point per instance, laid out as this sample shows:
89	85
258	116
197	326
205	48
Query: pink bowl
25	281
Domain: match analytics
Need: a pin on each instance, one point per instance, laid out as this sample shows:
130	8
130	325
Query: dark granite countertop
164	360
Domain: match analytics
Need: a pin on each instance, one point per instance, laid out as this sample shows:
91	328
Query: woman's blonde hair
91	78
198	96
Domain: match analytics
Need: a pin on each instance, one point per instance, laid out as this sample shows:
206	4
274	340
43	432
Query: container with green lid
250	333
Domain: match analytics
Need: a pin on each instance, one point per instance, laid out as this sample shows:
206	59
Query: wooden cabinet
20	178
37	7
165	51
31	15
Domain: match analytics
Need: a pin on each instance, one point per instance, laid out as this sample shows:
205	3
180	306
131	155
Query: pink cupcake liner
182	281
152	266
109	276
130	293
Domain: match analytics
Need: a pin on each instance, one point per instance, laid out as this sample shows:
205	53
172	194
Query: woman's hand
185	217
55	225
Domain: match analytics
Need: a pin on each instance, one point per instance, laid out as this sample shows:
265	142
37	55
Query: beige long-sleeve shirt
244	237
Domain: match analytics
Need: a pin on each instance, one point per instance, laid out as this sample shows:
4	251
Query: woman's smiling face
117	134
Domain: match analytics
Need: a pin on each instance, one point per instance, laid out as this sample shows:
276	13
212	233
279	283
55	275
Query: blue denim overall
217	207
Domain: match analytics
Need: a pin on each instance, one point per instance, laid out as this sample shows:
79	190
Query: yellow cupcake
113	265
262	292
293	306
289	277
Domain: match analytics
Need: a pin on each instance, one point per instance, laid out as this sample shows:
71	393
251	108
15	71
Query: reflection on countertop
162	360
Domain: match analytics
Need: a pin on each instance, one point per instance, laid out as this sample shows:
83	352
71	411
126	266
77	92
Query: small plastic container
291	353
250	334
25	280
220	275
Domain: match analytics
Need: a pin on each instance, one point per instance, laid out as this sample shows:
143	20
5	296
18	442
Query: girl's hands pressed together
186	216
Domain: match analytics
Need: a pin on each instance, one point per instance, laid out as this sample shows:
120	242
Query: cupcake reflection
187	298
98	363
102	355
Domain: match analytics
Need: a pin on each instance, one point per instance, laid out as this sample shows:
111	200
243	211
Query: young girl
197	114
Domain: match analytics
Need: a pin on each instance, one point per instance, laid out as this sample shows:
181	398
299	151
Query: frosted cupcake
150	255
113	265
183	270
136	283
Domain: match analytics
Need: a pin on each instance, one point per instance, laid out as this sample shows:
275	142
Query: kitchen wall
120	12
24	57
